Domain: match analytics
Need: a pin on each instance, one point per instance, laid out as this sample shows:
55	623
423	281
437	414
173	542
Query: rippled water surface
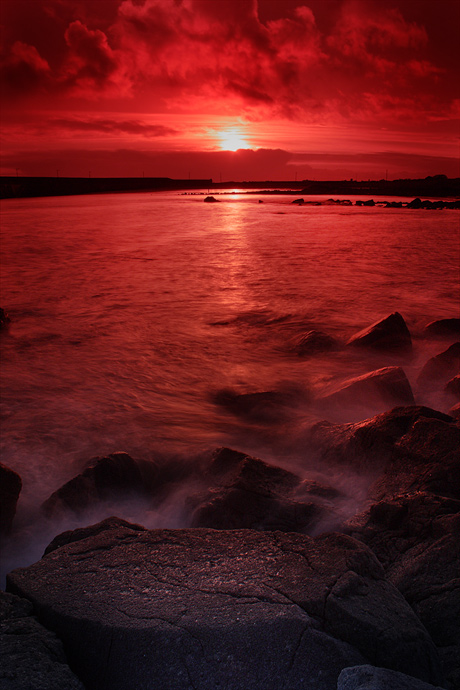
129	311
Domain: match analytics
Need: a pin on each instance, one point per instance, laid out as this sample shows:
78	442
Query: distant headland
22	187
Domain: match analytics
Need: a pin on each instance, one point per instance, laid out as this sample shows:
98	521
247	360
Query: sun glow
232	140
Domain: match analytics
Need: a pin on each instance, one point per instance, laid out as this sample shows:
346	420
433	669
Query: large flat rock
209	609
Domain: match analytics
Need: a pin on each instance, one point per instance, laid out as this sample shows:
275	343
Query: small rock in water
442	366
377	390
390	334
443	327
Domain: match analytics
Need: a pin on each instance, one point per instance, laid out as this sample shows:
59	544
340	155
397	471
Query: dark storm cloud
106	126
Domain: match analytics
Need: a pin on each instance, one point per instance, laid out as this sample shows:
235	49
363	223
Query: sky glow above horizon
230	89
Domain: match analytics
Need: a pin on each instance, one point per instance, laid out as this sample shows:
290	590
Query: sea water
130	312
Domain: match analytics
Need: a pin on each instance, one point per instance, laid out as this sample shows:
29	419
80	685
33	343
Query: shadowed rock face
31	656
10	488
372	678
390	334
417	539
202	608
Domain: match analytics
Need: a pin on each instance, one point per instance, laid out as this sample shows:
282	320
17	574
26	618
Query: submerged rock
10	488
31	656
4	319
262	406
211	200
316	342
390	334
203	608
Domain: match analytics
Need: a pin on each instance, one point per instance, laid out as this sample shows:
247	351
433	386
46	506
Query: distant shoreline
25	187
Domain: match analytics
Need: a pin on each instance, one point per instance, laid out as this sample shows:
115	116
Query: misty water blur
130	312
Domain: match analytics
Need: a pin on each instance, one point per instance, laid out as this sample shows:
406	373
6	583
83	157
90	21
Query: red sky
306	89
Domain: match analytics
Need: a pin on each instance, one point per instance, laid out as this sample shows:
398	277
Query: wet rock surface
205	609
31	656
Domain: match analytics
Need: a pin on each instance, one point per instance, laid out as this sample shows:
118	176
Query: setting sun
232	140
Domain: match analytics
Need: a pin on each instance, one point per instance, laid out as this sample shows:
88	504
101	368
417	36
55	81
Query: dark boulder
390	334
211	200
443	327
316	342
417	539
441	367
377	390
31	656
255	495
425	458
369	444
372	678
114	476
10	488
182	609
299	202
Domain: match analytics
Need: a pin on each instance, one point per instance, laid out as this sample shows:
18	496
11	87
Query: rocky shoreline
269	587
